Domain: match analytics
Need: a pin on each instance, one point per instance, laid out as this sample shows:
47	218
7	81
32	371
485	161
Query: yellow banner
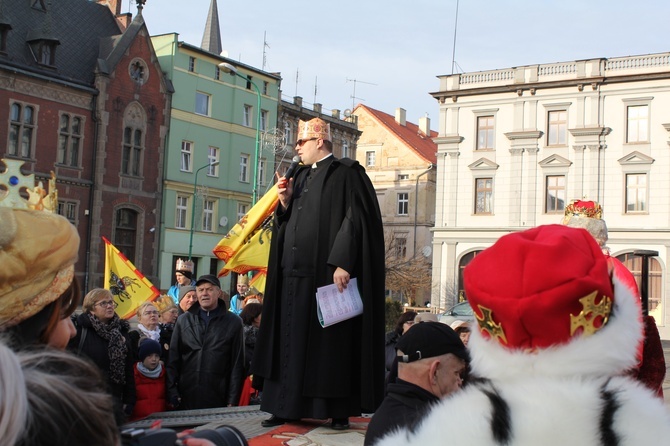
128	286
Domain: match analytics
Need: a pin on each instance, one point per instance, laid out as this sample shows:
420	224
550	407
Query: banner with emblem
127	284
246	247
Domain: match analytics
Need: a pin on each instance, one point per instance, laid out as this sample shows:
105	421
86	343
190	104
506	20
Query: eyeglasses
303	141
151	313
107	303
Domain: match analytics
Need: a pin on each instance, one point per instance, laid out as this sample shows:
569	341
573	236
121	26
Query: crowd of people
557	326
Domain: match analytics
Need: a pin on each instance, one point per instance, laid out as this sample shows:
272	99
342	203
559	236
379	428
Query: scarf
155	373
154	334
116	345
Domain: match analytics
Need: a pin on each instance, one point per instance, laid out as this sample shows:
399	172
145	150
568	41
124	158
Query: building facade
516	145
215	118
89	102
400	159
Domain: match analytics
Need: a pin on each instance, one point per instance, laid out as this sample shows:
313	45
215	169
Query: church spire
211	38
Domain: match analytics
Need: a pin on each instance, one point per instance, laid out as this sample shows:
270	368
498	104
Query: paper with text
333	307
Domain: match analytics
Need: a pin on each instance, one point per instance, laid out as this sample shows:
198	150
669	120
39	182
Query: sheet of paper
333	307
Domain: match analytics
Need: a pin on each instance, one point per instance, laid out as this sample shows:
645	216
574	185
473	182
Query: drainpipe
416	199
91	199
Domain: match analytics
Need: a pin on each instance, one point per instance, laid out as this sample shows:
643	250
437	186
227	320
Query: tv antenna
453	52
353	95
265	45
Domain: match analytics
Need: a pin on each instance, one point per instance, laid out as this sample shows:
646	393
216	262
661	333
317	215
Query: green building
214	118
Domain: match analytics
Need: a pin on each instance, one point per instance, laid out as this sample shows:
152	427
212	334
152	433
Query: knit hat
430	339
545	303
314	128
148	347
183	290
38	248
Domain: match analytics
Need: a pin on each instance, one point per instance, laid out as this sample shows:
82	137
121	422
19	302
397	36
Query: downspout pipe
431	166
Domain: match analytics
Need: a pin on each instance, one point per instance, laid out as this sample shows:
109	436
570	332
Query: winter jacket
151	394
206	366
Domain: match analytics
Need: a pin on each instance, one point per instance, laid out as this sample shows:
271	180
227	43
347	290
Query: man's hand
284	190
341	279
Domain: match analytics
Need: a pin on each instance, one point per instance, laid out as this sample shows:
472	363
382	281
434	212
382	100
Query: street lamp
228	68
195	191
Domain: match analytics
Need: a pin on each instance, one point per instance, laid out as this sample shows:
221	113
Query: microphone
292	168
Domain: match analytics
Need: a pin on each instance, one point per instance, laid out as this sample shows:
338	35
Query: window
345	149
637	123
557	128
186	153
180	214
484	196
264	120
68	209
288	134
213	157
655	283
21	126
636	192
265	87
555	194
201	103
249	80
242	210
69	138
44	51
261	172
246	117
217	73
207	215
403	203
369	159
126	232
132	151
485	132
191	64
244	168
403	177
400	246
4	31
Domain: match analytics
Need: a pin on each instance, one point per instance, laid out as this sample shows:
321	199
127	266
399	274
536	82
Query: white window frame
370	158
213	157
345	149
641	135
560	128
191	64
208	215
244	167
402	203
186	156
264	120
246	115
181	211
548	188
641	193
242	209
262	163
199	97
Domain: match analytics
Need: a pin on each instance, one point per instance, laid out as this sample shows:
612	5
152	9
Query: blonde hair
93	297
14	401
143	306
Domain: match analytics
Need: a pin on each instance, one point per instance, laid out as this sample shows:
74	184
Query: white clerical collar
315	165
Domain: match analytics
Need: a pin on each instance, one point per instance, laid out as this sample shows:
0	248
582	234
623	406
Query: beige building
399	158
516	145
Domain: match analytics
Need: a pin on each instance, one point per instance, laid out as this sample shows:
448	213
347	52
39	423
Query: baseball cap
430	339
211	278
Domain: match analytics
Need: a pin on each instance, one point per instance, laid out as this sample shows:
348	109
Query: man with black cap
431	361
206	365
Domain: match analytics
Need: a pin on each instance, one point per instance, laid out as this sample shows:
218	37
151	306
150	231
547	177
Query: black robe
310	371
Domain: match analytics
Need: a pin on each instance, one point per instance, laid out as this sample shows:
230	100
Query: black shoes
340	424
273	421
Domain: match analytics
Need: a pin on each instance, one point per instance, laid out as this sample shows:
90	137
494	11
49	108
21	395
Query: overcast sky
394	49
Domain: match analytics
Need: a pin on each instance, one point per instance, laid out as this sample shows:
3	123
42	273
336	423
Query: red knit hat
539	288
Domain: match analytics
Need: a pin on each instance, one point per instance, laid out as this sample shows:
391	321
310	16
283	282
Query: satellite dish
223	221
427	251
347	113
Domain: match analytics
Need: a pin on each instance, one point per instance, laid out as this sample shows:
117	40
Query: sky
388	54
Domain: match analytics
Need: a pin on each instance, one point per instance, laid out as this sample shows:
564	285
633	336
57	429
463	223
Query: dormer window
44	51
4	32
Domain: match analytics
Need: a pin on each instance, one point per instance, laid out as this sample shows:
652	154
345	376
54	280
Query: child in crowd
149	380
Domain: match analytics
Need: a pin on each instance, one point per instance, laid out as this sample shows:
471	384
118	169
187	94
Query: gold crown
16	183
314	128
581	208
184	265
164	302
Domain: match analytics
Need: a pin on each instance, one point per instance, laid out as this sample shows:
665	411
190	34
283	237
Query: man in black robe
327	230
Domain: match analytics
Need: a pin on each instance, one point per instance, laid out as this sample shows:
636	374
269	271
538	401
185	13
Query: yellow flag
246	247
128	286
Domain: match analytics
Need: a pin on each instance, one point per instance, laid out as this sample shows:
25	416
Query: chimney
401	116
297	100
336	113
113	5
317	108
424	125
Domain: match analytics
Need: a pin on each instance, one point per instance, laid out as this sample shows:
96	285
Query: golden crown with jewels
20	191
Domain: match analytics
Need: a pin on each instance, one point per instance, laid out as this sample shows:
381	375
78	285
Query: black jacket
206	365
164	341
404	405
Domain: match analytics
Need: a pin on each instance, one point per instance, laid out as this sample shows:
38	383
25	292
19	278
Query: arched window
654	285
288	134
135	123
21	126
465	260
125	233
